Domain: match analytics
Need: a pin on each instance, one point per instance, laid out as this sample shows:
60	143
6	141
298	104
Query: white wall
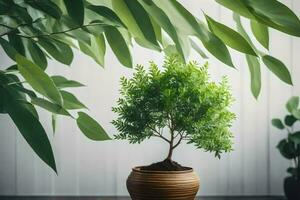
101	168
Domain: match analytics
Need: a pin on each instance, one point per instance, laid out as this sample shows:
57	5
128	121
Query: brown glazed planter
162	185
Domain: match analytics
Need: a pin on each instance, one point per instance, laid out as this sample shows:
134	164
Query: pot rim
138	169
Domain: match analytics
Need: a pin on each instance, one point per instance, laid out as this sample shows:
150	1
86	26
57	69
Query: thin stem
6	26
60	32
14	83
12	29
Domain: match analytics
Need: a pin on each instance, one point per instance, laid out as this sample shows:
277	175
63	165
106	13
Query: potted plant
177	104
289	148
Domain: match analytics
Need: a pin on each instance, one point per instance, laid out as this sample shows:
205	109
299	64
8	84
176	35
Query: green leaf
53	122
30	108
47	7
137	21
30	128
54	108
20	88
215	46
58	50
35	54
295	137
110	16
90	128
277	123
8	48
293	171
16	42
292	104
189	25
296	113
198	49
163	21
287	149
70	101
118	46
278	68
62	82
96	50
275	14
269	12
255	74
237	6
289	120
261	33
75	10
229	36
242	31
157	30
38	79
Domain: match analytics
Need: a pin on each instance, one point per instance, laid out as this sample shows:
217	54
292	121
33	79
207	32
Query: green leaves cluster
181	98
49	93
290	146
262	16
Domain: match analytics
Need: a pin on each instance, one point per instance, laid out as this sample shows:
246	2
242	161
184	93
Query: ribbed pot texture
162	185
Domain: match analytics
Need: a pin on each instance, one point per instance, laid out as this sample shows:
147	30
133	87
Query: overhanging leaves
119	46
137	20
30	128
62	82
75	9
278	68
213	44
58	50
91	128
54	108
261	33
162	20
38	79
255	74
70	101
47	7
229	36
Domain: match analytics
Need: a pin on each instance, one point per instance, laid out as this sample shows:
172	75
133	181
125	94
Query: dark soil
166	165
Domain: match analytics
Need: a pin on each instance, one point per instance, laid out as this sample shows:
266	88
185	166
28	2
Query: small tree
181	99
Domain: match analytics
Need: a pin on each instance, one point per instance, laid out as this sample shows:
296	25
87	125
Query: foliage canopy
180	98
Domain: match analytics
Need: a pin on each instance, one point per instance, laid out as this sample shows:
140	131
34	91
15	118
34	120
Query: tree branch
158	134
179	141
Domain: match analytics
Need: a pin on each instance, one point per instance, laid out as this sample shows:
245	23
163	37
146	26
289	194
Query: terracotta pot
162	185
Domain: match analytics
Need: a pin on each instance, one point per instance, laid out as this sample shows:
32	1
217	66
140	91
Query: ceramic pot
292	188
162	185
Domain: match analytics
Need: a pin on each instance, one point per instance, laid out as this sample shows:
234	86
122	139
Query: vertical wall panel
8	156
279	94
7	147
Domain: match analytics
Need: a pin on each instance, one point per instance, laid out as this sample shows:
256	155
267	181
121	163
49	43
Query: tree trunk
171	147
170	152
